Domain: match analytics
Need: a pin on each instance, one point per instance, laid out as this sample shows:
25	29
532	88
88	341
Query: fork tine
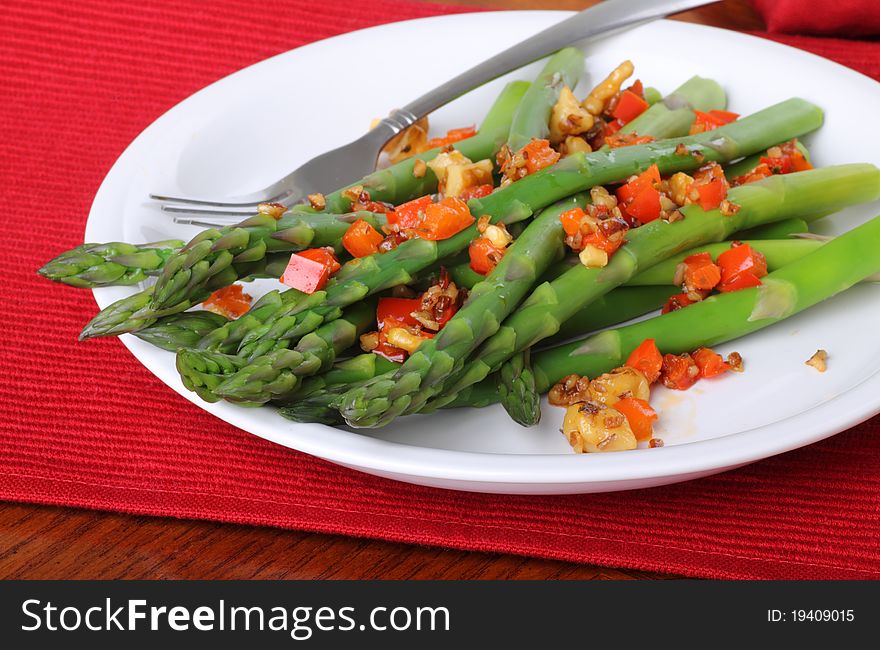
217	204
232	214
185	221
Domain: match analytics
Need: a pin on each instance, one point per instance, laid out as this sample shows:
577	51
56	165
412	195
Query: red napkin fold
84	424
846	18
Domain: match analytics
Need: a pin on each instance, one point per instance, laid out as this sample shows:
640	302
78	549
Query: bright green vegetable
112	264
774	198
533	113
673	116
183	330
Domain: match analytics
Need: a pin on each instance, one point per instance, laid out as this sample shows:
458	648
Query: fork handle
600	19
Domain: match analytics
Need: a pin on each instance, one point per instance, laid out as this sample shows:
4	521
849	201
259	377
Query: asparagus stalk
533	114
673	115
316	401
777	230
183	330
256	380
111	264
818	276
519	201
518	392
774	198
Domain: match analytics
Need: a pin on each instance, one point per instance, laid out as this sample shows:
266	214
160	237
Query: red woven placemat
86	425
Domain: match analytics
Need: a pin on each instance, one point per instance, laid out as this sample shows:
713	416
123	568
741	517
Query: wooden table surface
40	542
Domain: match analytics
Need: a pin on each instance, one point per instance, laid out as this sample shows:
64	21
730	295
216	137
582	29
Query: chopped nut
655	442
441	164
679	185
595	427
600	196
774	152
607	88
819	360
678	277
369	341
419	168
570	390
675	215
735	361
402	338
593	257
460	177
728	209
568	117
498	235
573	144
353	193
275	210
317	201
681	150
483	223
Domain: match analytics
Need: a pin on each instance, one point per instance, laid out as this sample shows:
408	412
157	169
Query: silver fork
346	164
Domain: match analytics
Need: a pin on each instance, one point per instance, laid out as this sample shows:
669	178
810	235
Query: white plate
258	123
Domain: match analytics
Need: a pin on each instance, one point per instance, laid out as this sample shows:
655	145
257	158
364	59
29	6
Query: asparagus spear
114	263
183	330
777	230
830	269
517	390
276	374
533	114
771	199
316	400
673	116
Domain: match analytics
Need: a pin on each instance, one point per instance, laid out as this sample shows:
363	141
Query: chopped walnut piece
275	210
317	201
568	117
462	177
728	209
570	390
369	341
607	88
655	442
735	361
819	360
353	193
574	144
442	163
419	168
483	222
681	149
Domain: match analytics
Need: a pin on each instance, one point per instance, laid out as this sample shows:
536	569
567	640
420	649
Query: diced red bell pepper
538	155
711	194
476	192
398	310
611	128
701	273
629	107
645	206
739	260
679	372
410	214
230	301
710	363
676	302
711	120
305	273
646	359
452	136
361	239
484	255
639	415
445	219
742	281
571	221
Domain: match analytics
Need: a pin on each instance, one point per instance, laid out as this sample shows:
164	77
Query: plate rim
463	468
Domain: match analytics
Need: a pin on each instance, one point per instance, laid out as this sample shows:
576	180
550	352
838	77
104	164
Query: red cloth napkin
838	18
83	424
